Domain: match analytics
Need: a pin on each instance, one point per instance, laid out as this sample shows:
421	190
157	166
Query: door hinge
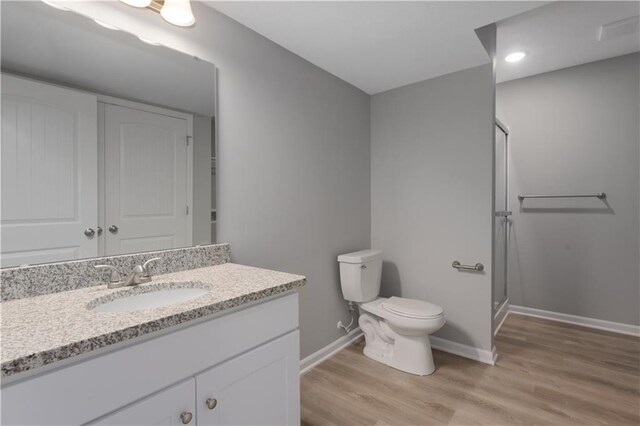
189	139
187	210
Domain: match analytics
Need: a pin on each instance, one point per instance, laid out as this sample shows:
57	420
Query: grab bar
477	267
600	195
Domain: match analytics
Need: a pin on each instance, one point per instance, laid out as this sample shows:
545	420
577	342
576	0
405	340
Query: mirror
108	141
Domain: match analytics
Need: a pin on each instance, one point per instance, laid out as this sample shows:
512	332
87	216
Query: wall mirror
108	140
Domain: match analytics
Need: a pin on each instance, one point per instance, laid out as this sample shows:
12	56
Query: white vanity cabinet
252	389
246	360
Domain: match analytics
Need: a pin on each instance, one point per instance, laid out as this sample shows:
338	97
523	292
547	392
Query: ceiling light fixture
146	40
54	5
176	12
105	25
515	56
137	3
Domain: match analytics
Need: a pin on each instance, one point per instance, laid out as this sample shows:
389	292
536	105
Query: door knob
211	403
89	232
186	417
113	229
99	229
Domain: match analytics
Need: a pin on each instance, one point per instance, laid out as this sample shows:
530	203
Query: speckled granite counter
41	330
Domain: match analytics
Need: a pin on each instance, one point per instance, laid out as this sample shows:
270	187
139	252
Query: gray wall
201	180
293	156
576	130
431	170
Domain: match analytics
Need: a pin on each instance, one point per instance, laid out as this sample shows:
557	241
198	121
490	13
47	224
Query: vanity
205	345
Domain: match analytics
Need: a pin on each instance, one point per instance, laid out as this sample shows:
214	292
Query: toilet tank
360	275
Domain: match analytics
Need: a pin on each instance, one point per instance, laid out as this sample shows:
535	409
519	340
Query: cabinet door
261	387
173	406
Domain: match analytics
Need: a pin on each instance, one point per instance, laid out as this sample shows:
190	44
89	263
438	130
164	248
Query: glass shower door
501	219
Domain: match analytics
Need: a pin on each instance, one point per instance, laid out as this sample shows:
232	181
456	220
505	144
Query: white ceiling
562	34
377	46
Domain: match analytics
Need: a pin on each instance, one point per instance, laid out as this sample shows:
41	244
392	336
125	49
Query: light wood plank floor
547	373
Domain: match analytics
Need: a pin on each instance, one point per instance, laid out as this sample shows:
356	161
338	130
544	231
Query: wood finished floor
547	373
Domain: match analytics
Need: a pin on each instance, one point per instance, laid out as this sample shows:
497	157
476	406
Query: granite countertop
41	330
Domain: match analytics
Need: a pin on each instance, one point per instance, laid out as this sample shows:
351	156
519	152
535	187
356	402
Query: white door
146	181
260	387
171	407
49	176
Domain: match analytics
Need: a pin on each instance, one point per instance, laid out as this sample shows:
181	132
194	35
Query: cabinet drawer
170	407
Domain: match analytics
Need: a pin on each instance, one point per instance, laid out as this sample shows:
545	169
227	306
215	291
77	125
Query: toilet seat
412	308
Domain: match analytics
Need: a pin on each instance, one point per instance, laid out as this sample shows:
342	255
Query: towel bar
477	267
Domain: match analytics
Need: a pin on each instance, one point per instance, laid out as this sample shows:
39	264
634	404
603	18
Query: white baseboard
484	356
615	327
476	354
328	351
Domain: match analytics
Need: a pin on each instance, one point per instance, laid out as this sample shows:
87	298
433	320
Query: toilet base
411	354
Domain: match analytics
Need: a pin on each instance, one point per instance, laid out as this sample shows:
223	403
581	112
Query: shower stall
502	221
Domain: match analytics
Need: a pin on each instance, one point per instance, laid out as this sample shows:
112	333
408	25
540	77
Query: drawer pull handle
211	403
186	417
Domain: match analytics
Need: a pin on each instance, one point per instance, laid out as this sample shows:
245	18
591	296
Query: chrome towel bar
477	267
600	195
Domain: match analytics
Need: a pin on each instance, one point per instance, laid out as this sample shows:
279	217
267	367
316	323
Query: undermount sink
148	297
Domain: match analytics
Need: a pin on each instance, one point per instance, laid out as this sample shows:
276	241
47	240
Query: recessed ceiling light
515	56
146	40
54	5
105	25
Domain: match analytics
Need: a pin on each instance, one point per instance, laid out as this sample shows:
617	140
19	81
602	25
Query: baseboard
615	327
328	351
476	354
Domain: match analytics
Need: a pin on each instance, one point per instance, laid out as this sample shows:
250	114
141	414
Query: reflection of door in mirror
89	175
49	176
147	179
101	133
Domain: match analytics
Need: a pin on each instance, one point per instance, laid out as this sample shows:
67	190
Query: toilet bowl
398	338
396	329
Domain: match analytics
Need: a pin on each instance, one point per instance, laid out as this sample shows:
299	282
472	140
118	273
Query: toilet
396	329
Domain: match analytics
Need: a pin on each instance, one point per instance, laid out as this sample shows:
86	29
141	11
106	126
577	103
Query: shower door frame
505	299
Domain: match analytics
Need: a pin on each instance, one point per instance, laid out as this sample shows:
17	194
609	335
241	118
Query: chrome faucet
139	275
114	281
136	277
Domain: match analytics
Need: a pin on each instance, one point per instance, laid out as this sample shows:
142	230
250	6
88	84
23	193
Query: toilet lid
411	308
